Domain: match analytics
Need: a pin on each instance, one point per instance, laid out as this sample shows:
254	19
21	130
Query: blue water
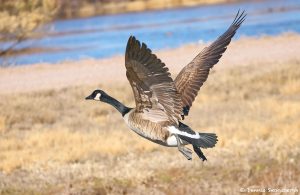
104	36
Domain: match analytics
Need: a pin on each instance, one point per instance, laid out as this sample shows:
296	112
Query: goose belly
147	129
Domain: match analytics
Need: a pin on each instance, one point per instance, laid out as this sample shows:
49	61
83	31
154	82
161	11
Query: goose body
161	102
153	131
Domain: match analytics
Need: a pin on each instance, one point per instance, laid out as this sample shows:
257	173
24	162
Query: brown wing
193	75
154	89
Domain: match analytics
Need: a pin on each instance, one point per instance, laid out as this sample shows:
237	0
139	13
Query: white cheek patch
97	97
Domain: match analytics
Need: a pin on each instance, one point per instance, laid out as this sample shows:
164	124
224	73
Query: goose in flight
161	102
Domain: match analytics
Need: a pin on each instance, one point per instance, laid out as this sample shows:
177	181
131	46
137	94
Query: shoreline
45	76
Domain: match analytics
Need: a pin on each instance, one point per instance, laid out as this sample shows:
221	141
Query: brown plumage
152	84
160	101
147	127
193	75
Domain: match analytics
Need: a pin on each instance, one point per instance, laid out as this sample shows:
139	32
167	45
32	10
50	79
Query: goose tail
204	140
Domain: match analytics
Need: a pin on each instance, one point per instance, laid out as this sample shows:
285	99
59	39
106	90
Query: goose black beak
89	97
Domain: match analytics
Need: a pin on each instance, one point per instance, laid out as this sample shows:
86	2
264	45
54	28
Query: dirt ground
52	141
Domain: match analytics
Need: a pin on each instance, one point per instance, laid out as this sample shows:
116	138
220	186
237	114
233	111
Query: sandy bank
246	51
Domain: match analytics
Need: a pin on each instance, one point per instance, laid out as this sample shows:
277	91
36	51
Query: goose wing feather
154	89
193	75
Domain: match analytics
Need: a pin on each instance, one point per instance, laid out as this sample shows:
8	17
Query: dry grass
55	142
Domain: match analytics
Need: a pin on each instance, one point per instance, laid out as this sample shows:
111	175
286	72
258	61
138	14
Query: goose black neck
115	103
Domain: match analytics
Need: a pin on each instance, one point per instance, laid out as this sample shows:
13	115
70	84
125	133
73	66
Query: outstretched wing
193	75
154	89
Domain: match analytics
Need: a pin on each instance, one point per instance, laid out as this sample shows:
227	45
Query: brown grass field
52	141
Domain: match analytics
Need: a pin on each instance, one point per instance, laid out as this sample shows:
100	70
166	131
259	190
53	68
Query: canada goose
162	103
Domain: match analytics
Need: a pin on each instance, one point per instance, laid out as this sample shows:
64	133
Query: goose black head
96	95
100	95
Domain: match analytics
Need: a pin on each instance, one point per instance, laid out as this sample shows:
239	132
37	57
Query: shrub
19	19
